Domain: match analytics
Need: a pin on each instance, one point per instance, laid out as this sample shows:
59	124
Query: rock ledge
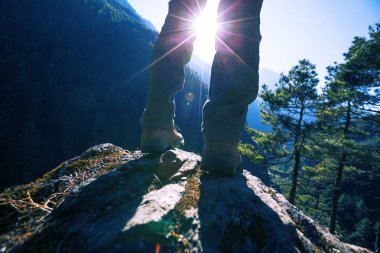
112	200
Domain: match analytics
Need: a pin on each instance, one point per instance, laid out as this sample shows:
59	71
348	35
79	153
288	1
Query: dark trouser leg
234	77
171	53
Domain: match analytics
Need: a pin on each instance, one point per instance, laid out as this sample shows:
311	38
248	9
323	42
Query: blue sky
319	30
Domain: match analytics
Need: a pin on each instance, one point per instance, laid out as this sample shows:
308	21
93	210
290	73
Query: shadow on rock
166	204
234	219
98	215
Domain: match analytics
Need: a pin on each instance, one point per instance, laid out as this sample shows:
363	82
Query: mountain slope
71	75
127	5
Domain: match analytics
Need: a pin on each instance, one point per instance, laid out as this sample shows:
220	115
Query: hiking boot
221	158
159	140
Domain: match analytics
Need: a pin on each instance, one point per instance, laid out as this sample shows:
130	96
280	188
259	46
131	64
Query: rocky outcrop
112	200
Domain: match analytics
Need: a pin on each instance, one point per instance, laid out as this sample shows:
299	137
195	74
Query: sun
205	28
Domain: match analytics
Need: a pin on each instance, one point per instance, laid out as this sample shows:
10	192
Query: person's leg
171	53
234	83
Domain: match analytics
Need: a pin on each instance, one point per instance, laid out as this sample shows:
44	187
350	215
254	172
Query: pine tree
350	100
289	110
363	233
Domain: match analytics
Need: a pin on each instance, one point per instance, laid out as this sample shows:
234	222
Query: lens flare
189	97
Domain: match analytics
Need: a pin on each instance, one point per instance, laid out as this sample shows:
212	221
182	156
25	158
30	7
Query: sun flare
205	28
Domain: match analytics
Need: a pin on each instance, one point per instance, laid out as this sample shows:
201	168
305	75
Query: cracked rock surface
113	200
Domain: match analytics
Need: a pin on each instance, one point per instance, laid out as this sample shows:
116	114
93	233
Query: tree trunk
339	174
297	158
336	194
297	162
316	206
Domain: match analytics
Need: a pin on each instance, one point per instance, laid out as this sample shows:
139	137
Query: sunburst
204	28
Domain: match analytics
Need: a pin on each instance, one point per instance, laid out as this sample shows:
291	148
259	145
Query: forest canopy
323	149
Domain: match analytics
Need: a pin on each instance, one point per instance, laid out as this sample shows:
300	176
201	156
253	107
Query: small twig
36	205
17	208
47	202
60	202
29	197
68	188
158	179
41	218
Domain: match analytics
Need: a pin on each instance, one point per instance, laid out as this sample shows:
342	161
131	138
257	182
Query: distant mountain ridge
129	7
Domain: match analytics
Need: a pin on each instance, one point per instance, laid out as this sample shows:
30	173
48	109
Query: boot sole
158	146
219	164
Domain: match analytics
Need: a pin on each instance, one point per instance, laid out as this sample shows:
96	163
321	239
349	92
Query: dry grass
192	193
24	208
177	216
